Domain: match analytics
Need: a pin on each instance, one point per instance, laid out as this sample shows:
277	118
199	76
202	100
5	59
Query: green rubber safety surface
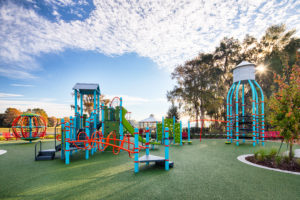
206	170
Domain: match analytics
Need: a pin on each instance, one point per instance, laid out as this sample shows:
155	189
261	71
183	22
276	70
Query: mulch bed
292	166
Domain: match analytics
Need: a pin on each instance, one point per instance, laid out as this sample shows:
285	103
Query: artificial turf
206	170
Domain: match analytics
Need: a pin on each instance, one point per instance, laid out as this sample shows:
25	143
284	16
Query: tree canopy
203	82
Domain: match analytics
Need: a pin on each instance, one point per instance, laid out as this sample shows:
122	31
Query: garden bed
293	165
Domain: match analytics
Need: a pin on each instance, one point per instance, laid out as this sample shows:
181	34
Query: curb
242	158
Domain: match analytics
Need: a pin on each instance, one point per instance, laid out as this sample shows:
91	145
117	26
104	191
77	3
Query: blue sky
129	47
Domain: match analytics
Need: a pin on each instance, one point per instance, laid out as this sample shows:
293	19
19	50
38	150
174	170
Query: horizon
128	48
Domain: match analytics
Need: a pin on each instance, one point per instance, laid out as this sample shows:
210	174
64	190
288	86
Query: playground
204	170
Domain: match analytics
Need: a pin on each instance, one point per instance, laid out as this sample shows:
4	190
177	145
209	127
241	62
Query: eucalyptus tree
194	89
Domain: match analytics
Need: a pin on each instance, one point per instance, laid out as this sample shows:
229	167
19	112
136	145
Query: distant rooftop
87	88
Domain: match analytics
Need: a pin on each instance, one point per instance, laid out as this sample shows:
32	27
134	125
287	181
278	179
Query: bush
49	137
286	159
272	153
2	138
278	160
260	154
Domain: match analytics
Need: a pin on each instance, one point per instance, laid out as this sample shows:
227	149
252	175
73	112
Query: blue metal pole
262	114
228	121
136	150
62	152
163	128
147	143
81	111
95	118
256	115
166	148
231	115
180	133
121	123
67	160
103	121
253	112
173	130
87	131
30	128
156	133
189	132
237	113
76	111
98	107
243	109
71	128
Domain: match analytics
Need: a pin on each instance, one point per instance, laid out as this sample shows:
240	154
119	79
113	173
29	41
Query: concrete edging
242	158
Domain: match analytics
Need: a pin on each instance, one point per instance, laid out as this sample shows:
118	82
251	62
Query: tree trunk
291	150
197	116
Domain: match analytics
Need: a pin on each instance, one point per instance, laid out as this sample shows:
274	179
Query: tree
173	112
195	88
88	103
9	115
285	104
52	121
40	112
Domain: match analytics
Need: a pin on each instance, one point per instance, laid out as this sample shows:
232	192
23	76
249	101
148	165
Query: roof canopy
87	88
150	119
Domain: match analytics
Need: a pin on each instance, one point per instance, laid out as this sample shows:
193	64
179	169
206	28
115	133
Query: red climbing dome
29	127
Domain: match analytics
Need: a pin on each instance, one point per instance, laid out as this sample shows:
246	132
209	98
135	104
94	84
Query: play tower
245	126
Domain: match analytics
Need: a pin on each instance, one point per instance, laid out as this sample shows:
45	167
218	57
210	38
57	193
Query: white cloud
169	32
21	85
4	95
52	109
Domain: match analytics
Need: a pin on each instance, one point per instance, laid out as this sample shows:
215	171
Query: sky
128	47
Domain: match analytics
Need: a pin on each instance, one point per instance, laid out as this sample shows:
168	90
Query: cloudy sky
128	47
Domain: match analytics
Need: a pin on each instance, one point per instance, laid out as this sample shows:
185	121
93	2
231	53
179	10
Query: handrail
35	156
59	124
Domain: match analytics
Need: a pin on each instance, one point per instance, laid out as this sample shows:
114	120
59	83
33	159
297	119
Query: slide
129	128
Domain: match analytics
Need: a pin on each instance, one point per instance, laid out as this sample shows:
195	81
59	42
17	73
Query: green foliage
9	115
173	111
159	131
278	160
284	105
40	112
202	83
177	133
272	153
2	138
169	123
286	159
49	137
261	154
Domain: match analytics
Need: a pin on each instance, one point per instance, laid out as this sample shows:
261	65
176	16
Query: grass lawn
206	170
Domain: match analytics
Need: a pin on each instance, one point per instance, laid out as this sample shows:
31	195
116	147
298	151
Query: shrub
2	138
49	137
272	153
286	158
297	161
260	154
278	160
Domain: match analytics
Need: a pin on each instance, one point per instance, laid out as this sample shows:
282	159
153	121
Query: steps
47	154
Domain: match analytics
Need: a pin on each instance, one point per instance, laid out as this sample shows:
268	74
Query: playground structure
91	134
176	131
241	124
29	127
